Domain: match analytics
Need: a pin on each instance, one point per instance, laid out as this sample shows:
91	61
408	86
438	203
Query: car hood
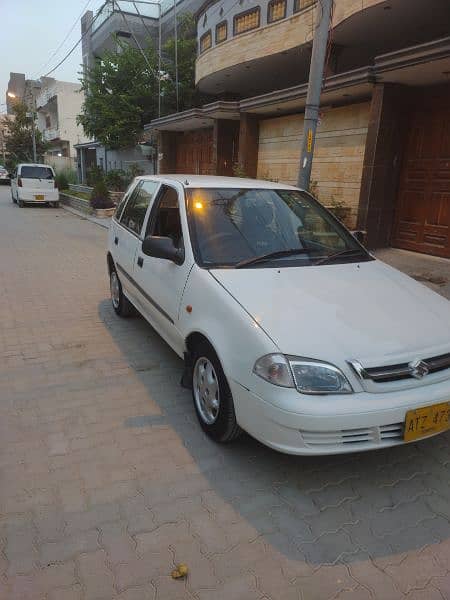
367	311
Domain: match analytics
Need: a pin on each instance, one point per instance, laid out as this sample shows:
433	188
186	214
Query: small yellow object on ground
180	572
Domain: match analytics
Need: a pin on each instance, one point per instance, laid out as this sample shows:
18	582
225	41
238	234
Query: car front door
161	282
127	234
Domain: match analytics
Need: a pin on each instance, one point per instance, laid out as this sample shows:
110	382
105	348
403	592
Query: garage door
422	221
195	152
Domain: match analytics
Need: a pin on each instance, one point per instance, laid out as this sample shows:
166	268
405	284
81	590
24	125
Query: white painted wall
69	99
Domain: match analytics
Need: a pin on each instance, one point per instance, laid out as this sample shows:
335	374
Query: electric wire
72	50
64	40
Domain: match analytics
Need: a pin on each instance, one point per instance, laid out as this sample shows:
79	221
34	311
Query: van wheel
21	203
121	304
212	397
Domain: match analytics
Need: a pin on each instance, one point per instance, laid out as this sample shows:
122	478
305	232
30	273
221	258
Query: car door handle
116	240
140	261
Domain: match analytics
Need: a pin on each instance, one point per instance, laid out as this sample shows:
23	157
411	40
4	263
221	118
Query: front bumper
330	424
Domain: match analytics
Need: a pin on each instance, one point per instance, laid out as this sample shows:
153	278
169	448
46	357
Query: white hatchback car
34	184
289	328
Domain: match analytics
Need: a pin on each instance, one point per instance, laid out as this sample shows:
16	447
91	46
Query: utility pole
33	129
176	52
316	72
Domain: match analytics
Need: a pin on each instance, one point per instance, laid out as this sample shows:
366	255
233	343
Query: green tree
19	138
121	95
187	53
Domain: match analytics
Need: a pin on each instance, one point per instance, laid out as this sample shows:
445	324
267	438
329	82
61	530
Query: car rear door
37	180
127	235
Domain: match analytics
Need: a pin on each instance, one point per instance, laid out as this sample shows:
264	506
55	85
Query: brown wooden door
195	152
422	221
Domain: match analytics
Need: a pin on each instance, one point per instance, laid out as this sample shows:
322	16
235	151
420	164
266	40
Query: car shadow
321	510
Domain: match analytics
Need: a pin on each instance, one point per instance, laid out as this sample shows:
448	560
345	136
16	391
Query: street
107	481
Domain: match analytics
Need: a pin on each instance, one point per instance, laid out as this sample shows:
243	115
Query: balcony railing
51	134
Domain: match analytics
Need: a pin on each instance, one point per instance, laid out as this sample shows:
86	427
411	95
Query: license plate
39	197
426	421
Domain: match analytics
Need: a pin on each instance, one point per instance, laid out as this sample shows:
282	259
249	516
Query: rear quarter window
36	173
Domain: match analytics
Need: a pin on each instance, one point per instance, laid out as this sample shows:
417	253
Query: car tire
21	203
211	394
121	305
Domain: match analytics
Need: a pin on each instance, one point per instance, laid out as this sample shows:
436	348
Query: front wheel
212	397
121	304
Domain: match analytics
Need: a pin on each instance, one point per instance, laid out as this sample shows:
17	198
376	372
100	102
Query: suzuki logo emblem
419	369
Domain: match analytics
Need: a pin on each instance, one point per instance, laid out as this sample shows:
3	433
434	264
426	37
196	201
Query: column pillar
382	163
248	144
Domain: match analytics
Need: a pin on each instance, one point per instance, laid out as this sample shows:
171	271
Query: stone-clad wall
338	158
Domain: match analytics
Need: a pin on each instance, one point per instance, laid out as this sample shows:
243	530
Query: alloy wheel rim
115	291
206	390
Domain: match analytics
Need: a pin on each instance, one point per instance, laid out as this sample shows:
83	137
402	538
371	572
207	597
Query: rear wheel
121	304
212	397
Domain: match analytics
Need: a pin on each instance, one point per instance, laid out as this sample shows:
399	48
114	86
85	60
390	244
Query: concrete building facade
383	143
58	104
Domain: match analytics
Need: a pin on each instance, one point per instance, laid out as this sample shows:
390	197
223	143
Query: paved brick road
107	481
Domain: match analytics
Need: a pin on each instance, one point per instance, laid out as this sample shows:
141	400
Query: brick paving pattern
107	482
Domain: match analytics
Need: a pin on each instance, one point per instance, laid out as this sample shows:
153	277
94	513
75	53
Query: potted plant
101	202
340	210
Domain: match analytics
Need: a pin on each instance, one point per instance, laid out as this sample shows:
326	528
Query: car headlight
307	375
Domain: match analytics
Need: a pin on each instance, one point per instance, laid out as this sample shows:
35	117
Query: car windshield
36	173
262	227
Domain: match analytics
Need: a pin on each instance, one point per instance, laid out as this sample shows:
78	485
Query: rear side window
36	173
134	213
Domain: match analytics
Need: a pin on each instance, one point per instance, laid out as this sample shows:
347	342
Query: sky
31	30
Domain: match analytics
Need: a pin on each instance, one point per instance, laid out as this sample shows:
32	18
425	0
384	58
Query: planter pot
104	213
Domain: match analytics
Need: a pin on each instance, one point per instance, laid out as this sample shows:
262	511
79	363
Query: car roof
212	181
35	165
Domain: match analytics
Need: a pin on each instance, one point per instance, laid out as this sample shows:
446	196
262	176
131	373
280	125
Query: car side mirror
360	236
162	247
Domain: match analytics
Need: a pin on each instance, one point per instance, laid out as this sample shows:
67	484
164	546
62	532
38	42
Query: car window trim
155	207
148	214
130	195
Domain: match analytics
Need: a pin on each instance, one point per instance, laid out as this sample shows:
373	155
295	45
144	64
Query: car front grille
402	371
355	437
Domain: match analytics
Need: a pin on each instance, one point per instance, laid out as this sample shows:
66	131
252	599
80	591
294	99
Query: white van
34	183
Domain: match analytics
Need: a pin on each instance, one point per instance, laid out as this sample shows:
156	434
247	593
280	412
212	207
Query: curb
86	217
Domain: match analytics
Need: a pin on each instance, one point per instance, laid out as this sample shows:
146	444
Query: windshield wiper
342	253
264	257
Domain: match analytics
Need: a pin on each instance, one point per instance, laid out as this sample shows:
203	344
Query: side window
134	213
166	221
130	191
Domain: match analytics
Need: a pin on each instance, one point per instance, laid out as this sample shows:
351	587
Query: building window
47	122
301	4
205	41
247	21
221	32
276	10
